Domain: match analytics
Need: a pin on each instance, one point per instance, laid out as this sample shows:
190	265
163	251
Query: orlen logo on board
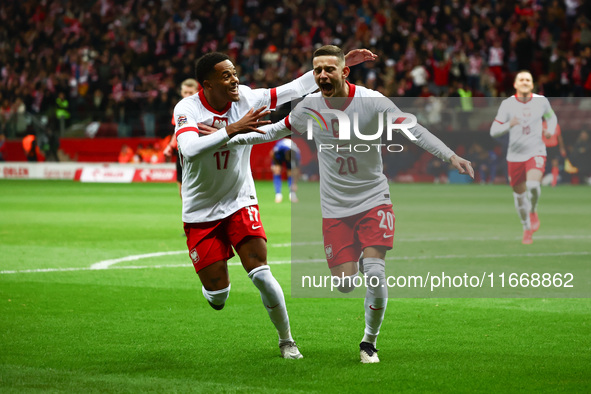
15	172
394	121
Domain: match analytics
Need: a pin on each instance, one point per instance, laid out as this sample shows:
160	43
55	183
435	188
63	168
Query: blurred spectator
484	162
31	148
580	155
438	169
62	112
2	145
555	153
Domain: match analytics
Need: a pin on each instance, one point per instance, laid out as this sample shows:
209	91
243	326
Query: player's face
330	76
224	81
524	84
187	91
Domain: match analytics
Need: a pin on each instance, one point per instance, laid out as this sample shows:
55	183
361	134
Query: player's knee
252	252
259	275
533	186
375	270
216	297
344	284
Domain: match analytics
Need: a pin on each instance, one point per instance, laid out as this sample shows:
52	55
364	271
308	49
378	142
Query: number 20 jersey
351	175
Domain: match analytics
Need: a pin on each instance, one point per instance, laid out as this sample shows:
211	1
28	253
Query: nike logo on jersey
388	236
256	227
375	309
271	307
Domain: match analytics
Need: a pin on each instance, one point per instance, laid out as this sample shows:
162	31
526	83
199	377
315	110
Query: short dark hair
330	50
206	63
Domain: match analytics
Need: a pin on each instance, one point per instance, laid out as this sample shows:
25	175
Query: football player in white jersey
522	116
355	199
220	210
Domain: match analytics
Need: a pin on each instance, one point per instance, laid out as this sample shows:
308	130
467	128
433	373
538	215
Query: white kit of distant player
525	138
522	116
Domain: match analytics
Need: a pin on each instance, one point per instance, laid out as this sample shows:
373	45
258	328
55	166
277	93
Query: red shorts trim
517	170
209	242
345	239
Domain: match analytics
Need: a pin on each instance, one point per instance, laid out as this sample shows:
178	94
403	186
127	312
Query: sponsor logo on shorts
256	227
328	251
388	236
181	120
194	256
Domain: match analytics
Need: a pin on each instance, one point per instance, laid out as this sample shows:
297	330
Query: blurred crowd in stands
121	63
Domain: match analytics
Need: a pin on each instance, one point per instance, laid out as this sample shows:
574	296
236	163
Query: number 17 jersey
217	182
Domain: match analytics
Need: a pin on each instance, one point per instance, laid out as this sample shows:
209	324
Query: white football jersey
217	181
525	138
351	171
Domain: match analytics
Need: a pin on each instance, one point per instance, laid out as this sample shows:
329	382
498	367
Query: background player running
286	154
521	116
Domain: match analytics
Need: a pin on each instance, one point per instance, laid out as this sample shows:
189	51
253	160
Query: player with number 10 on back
522	117
220	207
357	215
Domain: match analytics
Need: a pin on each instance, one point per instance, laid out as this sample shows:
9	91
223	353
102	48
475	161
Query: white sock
534	191
216	297
523	207
273	299
376	298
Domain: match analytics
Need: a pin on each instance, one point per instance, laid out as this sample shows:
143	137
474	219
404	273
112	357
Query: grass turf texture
149	329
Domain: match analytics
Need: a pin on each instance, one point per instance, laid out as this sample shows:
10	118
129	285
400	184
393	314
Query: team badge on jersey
219	123
181	120
328	251
194	256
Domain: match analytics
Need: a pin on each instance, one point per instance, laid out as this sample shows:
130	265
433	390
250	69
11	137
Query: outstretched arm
192	145
272	132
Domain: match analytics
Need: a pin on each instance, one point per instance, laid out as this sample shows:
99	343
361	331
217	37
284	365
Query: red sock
554	176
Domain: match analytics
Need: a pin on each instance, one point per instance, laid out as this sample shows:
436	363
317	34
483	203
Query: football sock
376	298
555	172
273	299
277	183
523	206
344	284
534	191
289	182
216	297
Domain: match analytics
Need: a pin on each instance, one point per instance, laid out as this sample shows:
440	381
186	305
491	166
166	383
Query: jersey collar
347	101
209	107
530	98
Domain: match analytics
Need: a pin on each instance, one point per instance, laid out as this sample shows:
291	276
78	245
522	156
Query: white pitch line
280	262
101	265
447	239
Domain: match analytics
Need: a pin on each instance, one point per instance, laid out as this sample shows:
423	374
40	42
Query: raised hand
249	122
357	56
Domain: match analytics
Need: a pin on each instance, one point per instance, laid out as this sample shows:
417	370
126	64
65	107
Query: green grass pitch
143	325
